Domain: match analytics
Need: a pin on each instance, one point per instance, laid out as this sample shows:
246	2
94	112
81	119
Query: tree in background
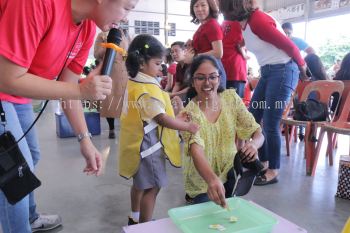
334	49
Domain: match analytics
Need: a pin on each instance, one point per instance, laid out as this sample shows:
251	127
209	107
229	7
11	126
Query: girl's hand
192	127
177	104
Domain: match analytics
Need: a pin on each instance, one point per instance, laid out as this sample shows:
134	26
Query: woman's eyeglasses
210	78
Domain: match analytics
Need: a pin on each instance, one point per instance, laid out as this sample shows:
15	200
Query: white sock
135	216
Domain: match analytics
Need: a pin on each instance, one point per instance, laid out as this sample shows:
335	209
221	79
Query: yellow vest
132	131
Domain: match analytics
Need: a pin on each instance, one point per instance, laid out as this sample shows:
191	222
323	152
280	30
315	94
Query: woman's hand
95	86
92	157
303	76
189	55
216	192
250	152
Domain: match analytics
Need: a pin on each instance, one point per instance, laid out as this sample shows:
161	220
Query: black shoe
301	137
131	221
262	180
111	134
189	200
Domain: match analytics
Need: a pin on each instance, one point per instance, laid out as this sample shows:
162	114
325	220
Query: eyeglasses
210	78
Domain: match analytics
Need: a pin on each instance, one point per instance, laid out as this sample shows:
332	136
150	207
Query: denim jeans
238	86
229	185
16	218
270	97
222	73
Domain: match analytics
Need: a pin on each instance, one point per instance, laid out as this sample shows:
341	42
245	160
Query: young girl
147	135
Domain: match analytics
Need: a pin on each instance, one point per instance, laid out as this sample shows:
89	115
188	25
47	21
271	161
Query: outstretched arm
177	124
216	190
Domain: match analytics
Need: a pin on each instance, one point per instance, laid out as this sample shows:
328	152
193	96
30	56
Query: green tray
197	218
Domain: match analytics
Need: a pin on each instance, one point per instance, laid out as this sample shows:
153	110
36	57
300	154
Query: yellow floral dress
217	139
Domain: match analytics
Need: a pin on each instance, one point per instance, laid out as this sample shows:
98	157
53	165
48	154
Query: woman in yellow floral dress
222	115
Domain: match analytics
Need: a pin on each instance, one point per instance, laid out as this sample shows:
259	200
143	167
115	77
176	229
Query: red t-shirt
207	33
38	35
172	68
234	63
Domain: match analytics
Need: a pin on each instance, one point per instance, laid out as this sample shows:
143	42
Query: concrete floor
101	204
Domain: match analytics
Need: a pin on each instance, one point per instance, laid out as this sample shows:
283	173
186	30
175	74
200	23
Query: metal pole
166	25
307	16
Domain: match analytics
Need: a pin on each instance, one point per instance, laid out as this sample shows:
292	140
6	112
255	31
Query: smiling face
201	10
107	13
152	67
206	81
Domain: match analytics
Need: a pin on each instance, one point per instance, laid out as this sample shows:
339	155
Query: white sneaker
46	222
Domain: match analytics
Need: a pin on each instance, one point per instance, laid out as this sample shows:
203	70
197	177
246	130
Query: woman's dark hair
237	9
213	13
197	61
142	48
315	67
344	71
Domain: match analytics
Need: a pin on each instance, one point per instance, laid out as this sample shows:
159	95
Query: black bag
310	110
16	178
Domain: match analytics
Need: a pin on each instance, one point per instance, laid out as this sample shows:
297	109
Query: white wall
153	10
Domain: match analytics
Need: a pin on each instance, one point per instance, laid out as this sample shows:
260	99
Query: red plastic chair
287	120
324	90
340	125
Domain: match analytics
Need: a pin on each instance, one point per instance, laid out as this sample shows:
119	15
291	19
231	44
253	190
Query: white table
165	225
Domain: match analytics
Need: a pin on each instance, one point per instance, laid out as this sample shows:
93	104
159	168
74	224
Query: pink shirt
39	37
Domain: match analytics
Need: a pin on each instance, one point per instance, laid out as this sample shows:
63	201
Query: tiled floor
101	204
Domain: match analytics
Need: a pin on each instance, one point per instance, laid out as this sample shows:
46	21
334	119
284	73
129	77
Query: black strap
2	112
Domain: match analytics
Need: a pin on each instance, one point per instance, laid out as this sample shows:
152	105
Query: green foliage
334	49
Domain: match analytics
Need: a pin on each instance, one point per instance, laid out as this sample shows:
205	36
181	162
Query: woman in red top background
208	37
234	57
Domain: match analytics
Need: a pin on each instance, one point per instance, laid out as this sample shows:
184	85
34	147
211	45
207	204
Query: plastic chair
340	125
290	126
324	90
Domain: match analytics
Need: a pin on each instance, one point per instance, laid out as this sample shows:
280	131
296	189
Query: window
149	27
124	26
172	31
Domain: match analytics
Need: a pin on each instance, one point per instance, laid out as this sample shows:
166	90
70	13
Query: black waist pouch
16	178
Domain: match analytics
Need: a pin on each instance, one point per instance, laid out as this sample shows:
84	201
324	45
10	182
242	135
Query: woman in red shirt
208	37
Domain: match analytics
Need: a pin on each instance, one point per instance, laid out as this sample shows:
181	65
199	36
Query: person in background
300	43
280	63
343	74
178	53
234	57
169	82
315	66
209	153
148	128
60	39
111	106
208	37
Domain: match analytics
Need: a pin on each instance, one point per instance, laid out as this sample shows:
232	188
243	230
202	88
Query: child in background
148	133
